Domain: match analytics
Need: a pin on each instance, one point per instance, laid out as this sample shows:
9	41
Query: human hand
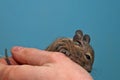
40	65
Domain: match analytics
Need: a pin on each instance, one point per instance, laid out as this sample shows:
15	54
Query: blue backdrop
36	23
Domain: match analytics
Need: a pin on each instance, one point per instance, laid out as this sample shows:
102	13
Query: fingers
31	56
12	61
22	72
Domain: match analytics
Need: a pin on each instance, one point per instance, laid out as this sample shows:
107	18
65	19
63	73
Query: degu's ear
86	38
78	35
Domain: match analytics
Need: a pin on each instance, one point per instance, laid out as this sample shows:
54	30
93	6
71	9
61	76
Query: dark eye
88	56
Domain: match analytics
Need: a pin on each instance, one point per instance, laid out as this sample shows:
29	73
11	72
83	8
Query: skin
34	64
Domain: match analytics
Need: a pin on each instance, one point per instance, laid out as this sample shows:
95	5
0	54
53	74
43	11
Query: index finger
32	56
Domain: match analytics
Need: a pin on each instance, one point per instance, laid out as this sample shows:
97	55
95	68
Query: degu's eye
88	57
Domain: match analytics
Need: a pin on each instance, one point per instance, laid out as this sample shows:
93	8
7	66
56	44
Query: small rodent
77	49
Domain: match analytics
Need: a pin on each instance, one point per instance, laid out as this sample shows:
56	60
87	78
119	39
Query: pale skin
35	64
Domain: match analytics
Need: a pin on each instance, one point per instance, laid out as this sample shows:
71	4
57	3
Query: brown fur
77	49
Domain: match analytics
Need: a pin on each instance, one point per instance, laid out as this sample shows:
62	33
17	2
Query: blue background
36	23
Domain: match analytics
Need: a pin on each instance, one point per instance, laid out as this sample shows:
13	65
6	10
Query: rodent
77	49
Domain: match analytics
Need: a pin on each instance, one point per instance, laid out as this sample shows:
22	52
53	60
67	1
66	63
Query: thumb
31	56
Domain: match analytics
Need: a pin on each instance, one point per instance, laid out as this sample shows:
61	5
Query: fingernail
17	48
